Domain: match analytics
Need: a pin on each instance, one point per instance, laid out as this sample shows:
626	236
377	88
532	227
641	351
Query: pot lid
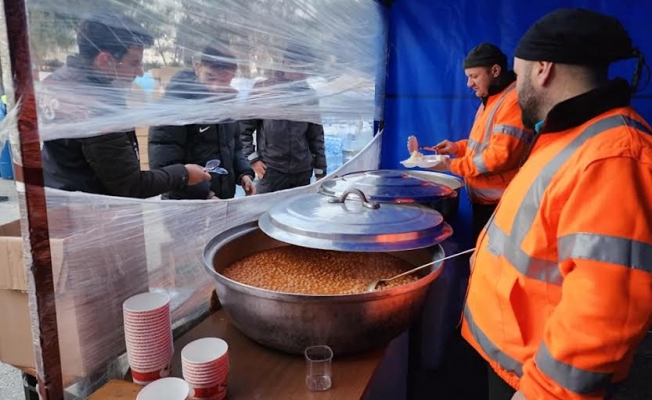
388	186
352	223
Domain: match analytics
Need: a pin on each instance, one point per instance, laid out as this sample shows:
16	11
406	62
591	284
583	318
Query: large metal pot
449	206
291	322
431	189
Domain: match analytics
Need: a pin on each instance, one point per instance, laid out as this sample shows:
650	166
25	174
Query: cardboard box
94	269
12	273
16	331
15	324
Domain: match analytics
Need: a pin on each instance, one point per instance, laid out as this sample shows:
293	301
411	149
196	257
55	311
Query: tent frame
33	206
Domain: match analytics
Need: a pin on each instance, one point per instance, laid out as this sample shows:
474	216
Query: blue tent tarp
426	93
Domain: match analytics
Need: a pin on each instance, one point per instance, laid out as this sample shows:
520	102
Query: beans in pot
293	269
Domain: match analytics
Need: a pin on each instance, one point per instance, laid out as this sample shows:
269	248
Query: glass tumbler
318	368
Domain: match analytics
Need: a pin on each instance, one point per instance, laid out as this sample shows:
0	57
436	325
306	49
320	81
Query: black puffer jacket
287	146
197	144
106	164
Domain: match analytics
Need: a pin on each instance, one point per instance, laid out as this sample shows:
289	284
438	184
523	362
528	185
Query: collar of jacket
501	83
86	68
577	110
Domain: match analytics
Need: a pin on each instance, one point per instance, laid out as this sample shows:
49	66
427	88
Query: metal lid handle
365	202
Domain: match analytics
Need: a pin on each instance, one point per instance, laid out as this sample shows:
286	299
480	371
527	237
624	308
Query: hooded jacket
286	146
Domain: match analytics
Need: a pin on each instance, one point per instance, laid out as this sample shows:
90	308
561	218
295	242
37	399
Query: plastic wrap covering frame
106	249
299	60
426	92
38	258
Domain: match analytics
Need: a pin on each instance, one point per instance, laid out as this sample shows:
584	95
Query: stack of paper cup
205	365
148	335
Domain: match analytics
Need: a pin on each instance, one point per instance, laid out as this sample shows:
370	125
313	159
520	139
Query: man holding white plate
491	156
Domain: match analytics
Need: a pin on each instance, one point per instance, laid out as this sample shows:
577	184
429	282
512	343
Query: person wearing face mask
490	157
88	86
199	143
286	153
561	289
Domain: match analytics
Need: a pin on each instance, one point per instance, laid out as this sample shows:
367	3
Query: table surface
121	390
259	373
263	374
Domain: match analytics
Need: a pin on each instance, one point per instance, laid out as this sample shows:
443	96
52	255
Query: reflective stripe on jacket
561	288
490	158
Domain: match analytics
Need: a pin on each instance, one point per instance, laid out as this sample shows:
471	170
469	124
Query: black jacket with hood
286	146
107	164
197	144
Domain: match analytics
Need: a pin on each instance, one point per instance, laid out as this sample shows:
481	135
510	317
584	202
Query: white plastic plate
428	161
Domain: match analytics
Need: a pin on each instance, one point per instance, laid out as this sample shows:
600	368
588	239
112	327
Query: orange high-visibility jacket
561	288
489	159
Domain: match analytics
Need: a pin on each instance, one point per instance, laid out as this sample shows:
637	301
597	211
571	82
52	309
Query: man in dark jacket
110	50
199	143
286	152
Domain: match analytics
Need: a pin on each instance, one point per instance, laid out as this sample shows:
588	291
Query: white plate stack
148	336
205	365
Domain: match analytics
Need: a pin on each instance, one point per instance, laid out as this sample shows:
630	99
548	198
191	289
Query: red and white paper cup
205	366
165	389
148	336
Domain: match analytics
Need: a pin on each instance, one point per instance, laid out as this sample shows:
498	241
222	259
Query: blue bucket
6	167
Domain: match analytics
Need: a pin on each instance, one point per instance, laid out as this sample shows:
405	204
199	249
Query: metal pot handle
369	204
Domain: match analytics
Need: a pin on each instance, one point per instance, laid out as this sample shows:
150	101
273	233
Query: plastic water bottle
6	167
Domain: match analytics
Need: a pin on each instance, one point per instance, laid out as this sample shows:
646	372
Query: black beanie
112	32
576	36
213	57
485	55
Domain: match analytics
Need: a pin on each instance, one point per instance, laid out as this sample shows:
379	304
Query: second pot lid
352	223
388	186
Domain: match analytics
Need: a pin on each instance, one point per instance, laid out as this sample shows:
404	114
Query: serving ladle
374	284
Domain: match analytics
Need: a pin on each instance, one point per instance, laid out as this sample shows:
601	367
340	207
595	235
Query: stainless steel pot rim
447	178
388	186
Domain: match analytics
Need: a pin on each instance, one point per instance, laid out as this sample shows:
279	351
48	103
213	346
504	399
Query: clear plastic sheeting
109	249
300	60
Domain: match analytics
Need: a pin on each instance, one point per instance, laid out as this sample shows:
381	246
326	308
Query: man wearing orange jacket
489	159
561	288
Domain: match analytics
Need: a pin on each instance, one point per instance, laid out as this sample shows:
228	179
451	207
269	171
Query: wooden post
38	259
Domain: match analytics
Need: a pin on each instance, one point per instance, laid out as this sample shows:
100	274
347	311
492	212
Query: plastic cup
318	368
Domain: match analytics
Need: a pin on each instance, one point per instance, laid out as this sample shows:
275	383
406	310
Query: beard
530	103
